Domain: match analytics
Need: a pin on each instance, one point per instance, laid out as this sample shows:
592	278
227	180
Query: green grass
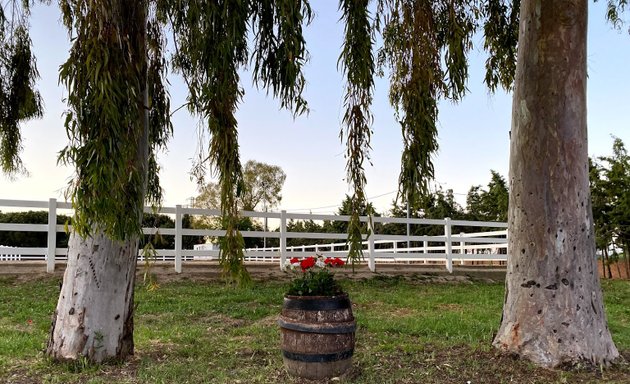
200	332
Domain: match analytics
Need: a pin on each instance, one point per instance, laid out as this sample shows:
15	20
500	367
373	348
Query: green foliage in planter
314	276
315	283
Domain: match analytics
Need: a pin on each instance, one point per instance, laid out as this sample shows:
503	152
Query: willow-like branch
211	38
357	63
425	48
19	99
113	124
501	38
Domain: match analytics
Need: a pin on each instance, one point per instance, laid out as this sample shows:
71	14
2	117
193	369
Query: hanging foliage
501	38
418	38
211	40
113	125
19	100
357	64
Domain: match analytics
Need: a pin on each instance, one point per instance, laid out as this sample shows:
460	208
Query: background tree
490	204
601	214
618	175
262	185
553	312
614	183
347	207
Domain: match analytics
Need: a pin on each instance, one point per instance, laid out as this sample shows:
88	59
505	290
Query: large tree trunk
553	312
94	315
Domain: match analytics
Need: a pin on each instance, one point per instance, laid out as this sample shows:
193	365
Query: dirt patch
401	312
164	272
450	307
269	321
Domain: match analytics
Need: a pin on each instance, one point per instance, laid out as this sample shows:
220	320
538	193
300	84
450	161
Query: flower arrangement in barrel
314	276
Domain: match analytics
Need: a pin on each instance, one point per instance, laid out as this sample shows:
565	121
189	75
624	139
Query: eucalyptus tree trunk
94	314
553	312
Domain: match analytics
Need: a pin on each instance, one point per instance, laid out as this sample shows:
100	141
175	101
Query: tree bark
553	312
94	315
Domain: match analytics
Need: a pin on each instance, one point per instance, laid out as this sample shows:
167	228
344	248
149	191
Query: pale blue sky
473	135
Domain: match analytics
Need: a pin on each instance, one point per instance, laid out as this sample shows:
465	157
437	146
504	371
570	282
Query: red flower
337	262
307	263
294	260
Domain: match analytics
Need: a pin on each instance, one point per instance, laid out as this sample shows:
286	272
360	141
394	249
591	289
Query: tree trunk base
94	314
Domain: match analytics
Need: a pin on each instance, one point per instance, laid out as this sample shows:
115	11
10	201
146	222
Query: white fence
9	254
378	248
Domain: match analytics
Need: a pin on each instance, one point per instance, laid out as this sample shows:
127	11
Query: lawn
409	331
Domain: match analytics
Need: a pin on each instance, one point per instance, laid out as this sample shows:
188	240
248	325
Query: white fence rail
378	248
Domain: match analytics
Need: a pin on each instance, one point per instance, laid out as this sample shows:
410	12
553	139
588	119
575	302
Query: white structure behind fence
378	248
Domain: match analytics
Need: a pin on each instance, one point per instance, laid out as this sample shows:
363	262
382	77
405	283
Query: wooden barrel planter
317	335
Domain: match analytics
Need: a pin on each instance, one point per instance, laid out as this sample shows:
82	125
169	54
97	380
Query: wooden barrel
317	335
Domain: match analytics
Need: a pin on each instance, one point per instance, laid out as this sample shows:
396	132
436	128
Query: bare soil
211	271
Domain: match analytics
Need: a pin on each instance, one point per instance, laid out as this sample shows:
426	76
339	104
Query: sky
473	134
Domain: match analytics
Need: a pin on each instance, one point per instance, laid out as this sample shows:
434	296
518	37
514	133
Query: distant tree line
610	194
482	204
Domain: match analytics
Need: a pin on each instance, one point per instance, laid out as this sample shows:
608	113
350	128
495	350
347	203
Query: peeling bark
553	312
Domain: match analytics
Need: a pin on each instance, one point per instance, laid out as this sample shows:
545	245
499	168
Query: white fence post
178	238
462	248
52	235
448	243
371	250
283	238
425	250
